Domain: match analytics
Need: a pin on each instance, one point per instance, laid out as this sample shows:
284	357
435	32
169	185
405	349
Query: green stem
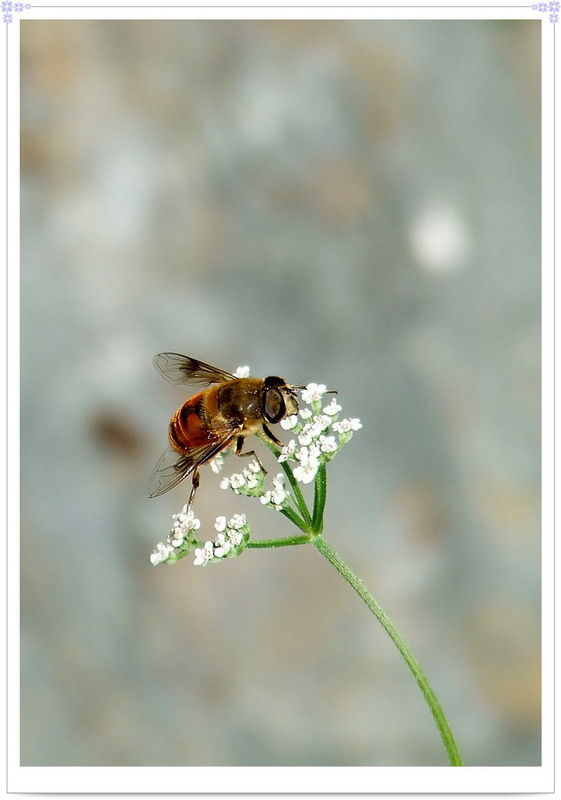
293	516
286	542
298	496
320	493
442	724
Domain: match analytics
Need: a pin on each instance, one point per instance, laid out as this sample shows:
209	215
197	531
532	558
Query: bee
222	415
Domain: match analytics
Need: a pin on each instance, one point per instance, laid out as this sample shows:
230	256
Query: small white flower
307	436
313	392
306	413
328	444
321	423
346	425
307	455
314	429
237	521
192	523
237	480
254	467
220	524
251	481
277	496
217	463
306	472
333	408
180	521
235	537
203	554
343	426
190	519
160	554
242	372
287	451
222	545
184	522
225	483
177	541
289	422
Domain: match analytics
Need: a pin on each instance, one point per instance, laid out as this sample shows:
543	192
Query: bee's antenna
327	391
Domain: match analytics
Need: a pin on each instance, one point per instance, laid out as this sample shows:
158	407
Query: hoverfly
218	417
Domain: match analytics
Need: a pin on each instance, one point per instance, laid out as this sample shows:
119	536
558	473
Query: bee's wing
179	370
173	466
170	470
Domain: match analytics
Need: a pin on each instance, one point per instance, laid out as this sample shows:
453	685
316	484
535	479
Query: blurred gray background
354	203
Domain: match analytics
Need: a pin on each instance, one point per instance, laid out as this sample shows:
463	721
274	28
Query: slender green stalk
293	516
441	722
320	494
298	496
286	542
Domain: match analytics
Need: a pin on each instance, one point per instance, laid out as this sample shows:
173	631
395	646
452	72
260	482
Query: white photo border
285	780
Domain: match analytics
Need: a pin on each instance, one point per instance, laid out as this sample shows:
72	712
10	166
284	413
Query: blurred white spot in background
439	239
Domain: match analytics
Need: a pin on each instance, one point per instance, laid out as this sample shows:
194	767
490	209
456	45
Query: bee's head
279	399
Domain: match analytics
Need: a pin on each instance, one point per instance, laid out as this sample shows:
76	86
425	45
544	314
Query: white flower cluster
230	541
180	540
315	443
249	481
277	497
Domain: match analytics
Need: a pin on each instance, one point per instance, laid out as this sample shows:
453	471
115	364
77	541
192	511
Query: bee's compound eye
275	408
274	380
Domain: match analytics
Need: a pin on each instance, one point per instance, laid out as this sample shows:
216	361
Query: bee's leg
194	487
238	452
268	432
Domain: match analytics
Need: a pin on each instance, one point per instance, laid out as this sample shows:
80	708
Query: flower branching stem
312	525
296	491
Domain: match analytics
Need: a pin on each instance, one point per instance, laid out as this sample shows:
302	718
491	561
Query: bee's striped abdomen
187	429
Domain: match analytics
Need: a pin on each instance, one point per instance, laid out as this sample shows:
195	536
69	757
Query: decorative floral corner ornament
551	8
9	7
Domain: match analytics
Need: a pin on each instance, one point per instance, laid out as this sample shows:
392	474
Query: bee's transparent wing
180	370
170	470
173	466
